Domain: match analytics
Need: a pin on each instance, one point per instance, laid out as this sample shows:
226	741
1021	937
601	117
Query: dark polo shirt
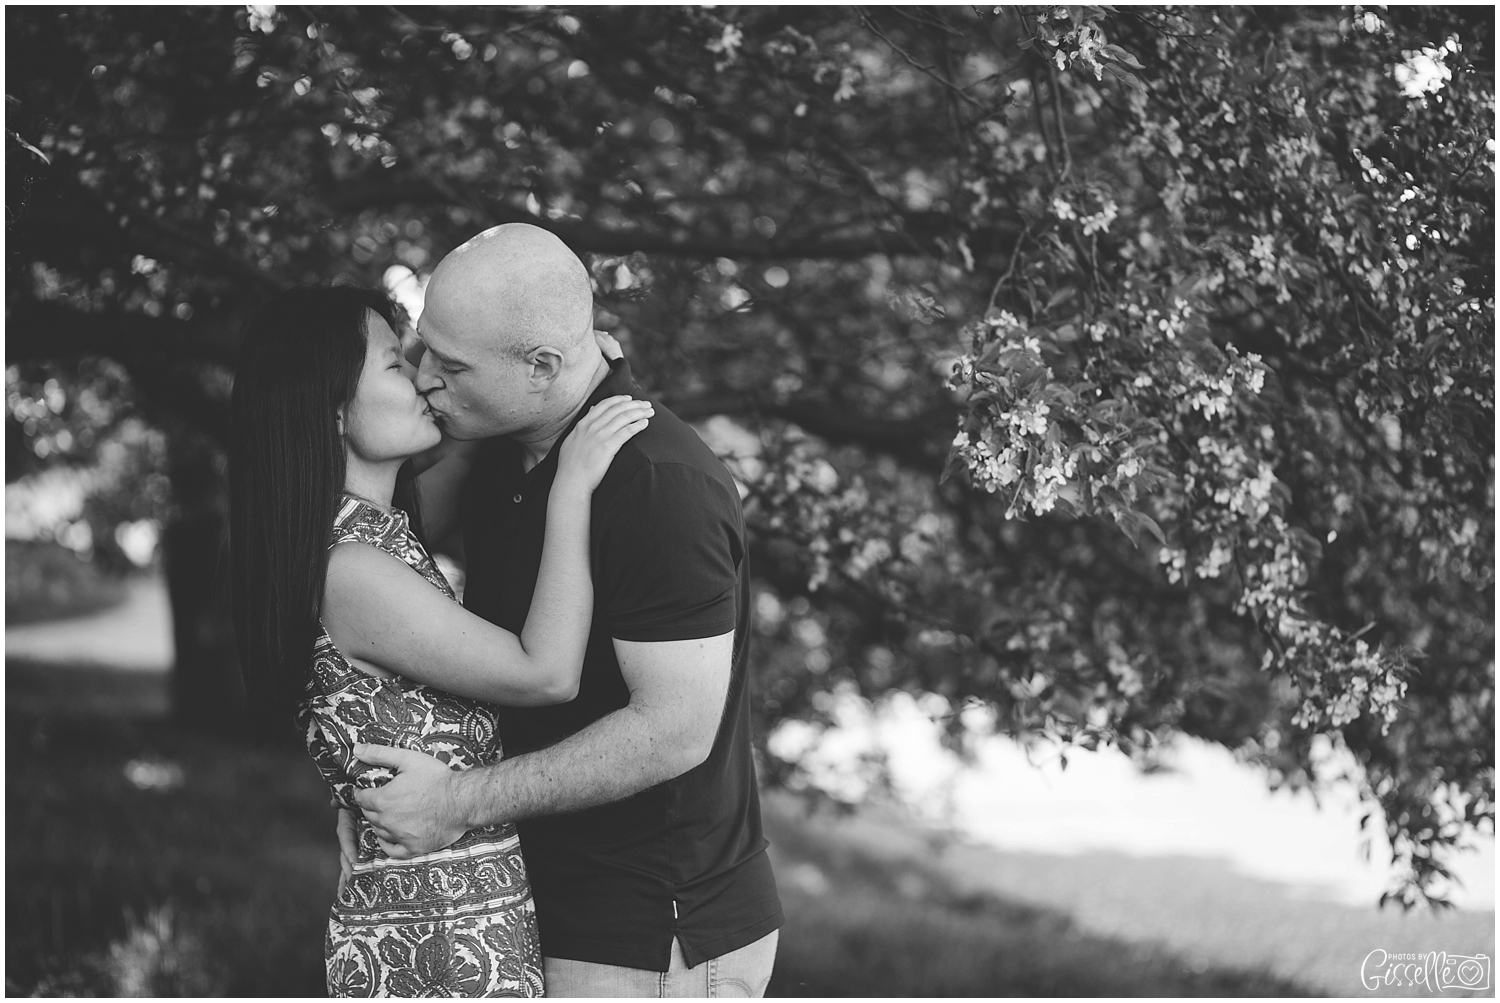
615	883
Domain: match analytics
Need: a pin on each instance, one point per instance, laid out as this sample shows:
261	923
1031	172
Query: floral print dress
456	922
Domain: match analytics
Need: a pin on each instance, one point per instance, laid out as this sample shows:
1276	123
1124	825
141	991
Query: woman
325	419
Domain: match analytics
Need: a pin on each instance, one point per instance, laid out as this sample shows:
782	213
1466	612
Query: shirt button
517	499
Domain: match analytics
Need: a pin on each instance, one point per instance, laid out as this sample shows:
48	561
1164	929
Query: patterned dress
456	922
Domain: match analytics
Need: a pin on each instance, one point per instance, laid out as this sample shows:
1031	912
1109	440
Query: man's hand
417	811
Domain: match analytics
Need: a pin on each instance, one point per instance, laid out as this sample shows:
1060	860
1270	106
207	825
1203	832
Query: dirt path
136	635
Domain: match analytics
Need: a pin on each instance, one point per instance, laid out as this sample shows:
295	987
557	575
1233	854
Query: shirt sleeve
669	555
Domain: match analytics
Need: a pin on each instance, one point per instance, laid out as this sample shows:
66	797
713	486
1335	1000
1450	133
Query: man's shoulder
667	442
674	455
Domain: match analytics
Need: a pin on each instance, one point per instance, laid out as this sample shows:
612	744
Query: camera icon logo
1464	972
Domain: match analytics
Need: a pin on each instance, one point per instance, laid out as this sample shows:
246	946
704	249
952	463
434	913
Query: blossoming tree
1121	374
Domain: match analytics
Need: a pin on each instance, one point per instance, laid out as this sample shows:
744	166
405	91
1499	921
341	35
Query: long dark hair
301	360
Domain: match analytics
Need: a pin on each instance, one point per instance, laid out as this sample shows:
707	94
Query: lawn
1088	924
211	870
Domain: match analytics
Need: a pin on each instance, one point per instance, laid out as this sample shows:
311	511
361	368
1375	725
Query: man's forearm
616	756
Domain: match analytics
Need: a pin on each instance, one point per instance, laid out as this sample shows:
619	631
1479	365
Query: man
636	802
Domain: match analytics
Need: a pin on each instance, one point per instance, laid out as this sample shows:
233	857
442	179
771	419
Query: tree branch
1015	256
950	85
584	236
1057	111
164	357
50	330
909	441
153	345
71	212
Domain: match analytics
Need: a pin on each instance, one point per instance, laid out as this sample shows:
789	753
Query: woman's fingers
621	431
623	420
605	406
613	405
608	410
620	415
591	447
623	434
608	345
347	836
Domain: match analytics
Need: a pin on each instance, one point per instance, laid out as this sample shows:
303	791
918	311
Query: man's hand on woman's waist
418	811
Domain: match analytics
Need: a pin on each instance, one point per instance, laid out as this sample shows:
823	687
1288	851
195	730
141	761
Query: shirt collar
619	381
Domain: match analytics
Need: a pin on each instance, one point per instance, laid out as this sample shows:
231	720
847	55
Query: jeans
744	972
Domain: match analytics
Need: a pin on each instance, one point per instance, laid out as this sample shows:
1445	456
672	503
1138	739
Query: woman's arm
383	614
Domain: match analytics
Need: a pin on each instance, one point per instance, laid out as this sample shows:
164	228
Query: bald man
636	802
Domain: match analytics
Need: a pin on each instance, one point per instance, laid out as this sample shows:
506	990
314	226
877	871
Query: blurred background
1028	722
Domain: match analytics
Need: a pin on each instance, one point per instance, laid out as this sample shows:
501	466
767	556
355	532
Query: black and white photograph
749	500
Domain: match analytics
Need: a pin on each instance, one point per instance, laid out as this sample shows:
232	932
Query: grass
874	910
220	884
870	893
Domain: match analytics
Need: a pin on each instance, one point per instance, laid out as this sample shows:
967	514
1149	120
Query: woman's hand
585	455
348	845
609	346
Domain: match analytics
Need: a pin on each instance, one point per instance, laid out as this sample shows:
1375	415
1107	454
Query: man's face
474	389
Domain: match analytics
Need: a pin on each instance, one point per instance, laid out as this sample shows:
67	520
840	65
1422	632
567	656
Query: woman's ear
338	417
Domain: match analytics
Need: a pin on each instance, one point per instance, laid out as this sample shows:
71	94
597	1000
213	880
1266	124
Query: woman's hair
301	360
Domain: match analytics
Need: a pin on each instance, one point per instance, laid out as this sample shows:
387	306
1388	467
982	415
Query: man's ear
546	365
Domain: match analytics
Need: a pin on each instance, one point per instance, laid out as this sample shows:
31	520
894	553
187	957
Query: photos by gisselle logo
1437	971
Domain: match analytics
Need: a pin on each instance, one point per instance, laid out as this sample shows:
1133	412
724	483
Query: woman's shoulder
359	521
368	540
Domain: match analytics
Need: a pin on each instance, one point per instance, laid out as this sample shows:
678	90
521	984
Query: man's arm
677	695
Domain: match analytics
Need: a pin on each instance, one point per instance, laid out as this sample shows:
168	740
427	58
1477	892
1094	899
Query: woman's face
387	419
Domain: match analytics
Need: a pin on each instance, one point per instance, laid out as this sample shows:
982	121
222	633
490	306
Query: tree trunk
207	690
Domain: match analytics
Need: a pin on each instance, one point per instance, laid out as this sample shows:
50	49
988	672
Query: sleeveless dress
455	922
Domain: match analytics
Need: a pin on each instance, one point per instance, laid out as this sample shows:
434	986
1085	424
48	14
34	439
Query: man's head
508	324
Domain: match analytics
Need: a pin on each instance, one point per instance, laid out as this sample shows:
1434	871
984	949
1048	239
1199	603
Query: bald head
512	288
508	327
